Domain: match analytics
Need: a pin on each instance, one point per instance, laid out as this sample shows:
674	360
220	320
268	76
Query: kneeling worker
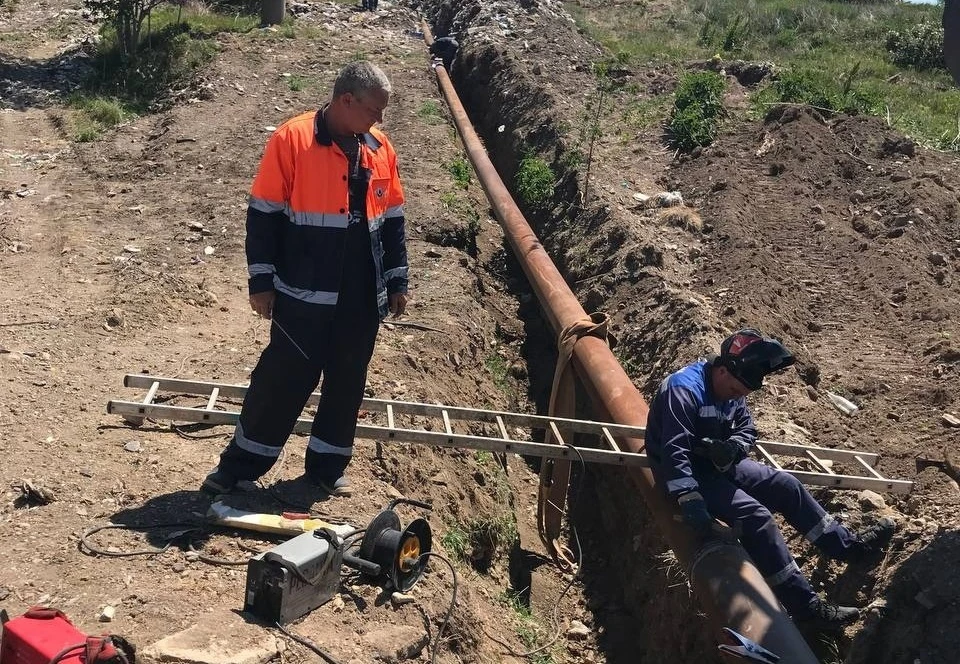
699	433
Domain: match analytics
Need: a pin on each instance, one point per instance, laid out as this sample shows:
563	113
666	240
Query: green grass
525	625
297	83
460	170
456	541
497	366
490	535
94	115
824	39
431	112
483	457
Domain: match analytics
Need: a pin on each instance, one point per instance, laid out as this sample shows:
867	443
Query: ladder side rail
545	450
792	449
838	481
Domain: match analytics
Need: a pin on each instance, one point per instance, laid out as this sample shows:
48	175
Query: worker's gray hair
360	77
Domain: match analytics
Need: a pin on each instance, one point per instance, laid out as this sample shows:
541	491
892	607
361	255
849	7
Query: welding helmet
750	356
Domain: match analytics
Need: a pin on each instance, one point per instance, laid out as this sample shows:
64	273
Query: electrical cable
453	601
85	543
327	657
558	628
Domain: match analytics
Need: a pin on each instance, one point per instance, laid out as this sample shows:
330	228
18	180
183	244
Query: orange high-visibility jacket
299	211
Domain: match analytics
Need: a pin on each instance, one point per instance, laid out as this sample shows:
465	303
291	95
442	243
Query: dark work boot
872	539
218	482
824	616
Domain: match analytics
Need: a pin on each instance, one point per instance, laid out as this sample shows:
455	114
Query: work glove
723	453
695	514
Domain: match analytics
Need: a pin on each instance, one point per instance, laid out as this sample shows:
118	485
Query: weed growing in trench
483	457
497	366
534	182
526	626
456	540
480	540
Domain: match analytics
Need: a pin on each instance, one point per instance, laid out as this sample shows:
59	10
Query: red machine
46	636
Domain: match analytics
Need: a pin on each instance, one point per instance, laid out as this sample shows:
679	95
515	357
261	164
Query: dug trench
833	233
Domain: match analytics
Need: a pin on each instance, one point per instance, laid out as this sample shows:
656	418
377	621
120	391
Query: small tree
127	18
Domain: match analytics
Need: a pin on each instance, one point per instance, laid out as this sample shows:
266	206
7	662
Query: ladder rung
557	438
152	392
608	437
503	428
214	395
390	424
870	469
818	462
769	459
446	422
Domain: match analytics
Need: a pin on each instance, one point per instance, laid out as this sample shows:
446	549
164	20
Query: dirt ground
832	233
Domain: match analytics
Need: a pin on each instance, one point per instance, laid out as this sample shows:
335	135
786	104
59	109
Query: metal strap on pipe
729	587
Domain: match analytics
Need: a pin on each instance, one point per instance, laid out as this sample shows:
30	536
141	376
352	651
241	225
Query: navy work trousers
339	350
745	498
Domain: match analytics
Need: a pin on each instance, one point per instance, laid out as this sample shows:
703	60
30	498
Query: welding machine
295	577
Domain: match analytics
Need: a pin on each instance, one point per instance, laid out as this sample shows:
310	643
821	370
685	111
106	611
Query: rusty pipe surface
729	587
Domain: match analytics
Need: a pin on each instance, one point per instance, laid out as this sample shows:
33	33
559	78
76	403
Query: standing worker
327	259
699	432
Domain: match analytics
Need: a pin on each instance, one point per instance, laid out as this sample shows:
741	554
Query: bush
697	109
534	182
920	46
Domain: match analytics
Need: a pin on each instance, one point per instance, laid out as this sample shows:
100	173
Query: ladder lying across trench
820	457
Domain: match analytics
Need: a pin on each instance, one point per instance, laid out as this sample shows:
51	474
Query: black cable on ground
327	657
453	602
558	628
85	541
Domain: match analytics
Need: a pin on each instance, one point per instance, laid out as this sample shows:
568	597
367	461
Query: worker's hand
695	514
262	303
724	453
398	304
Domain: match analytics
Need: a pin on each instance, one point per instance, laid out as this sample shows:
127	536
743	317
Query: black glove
724	454
695	514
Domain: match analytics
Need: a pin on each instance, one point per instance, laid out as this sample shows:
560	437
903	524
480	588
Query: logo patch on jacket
379	192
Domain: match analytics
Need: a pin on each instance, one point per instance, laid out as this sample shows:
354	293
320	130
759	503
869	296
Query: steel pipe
725	581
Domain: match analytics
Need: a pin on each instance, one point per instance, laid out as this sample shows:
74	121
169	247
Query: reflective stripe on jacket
299	211
683	412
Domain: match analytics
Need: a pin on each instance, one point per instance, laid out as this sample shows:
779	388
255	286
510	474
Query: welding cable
324	655
84	542
558	628
453	601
